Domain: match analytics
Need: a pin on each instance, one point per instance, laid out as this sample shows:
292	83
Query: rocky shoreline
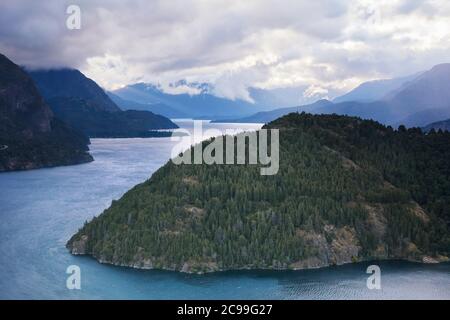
79	248
425	260
11	166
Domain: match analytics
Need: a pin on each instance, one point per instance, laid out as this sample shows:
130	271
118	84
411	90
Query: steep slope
425	100
347	190
30	136
429	91
82	104
374	90
379	110
203	105
440	125
69	83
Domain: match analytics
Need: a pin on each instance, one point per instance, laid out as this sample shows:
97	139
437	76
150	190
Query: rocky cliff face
21	105
30	135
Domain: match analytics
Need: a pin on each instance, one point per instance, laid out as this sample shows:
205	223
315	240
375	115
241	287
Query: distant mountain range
201	105
203	100
413	101
269	99
265	116
30	135
440	125
375	90
81	103
157	108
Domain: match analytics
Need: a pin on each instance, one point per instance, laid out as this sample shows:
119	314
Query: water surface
41	209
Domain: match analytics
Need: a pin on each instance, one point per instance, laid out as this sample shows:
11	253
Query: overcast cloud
327	46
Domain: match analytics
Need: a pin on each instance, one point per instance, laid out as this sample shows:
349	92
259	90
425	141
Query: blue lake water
41	209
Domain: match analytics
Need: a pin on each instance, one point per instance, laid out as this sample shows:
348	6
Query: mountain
422	118
203	102
347	190
267	116
199	105
421	100
429	90
378	110
157	108
440	125
30	136
70	83
269	99
103	124
416	101
81	103
374	90
429	93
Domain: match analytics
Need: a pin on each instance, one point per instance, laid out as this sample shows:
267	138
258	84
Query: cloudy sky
327	46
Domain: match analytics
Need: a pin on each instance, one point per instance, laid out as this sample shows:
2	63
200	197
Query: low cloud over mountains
325	47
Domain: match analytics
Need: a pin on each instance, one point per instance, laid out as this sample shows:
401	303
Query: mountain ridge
415	103
263	116
374	90
30	136
81	103
440	125
202	105
69	83
156	108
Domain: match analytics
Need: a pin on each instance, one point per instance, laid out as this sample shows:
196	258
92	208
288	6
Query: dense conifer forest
347	190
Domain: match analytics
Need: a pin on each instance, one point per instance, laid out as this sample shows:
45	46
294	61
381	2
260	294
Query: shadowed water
41	209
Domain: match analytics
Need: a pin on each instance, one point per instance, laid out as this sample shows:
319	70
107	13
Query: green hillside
347	190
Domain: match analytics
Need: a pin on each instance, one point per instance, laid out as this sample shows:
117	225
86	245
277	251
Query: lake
41	209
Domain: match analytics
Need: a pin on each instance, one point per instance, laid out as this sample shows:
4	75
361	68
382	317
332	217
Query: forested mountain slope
30	136
82	104
347	190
